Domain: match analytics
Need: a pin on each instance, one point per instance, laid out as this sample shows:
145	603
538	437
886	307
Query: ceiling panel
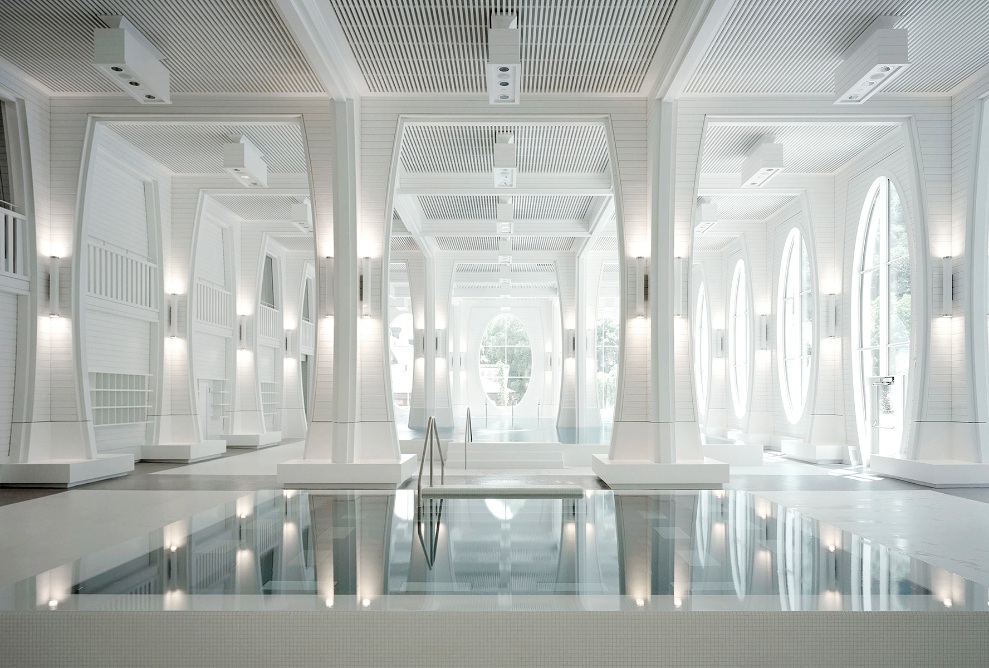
794	46
297	242
484	207
469	149
197	148
606	244
543	243
712	242
403	244
815	149
568	46
259	207
750	207
226	46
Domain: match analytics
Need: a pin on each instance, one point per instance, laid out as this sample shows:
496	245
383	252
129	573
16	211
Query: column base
187	453
255	441
644	474
932	472
65	473
813	453
326	474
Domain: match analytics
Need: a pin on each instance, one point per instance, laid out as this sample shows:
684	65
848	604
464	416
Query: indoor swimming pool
596	551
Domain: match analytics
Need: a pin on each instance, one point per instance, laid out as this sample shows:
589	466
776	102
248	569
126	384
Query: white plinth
814	453
256	441
643	474
323	473
736	454
66	472
932	472
186	453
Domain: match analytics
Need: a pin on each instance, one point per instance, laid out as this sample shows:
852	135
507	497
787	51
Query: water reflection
707	550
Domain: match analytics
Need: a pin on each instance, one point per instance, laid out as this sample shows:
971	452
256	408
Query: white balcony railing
307	337
122	278
13	241
214	305
271	324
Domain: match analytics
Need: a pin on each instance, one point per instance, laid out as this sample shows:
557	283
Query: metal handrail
468	436
432	443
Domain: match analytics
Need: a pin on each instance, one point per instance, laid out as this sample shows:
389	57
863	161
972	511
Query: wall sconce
763	324
831	316
173	315
641	287
947	286
549	359
570	343
242	331
679	281
718	343
440	342
419	342
54	268
291	337
364	288
327	286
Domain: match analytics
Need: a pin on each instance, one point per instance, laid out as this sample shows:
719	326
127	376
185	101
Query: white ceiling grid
197	148
484	207
750	207
440	46
305	243
807	149
469	149
794	46
259	207
210	46
403	244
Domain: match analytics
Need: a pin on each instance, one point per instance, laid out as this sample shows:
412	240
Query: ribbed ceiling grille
568	46
711	242
197	148
478	268
297	242
534	267
750	207
814	149
259	207
469	149
403	244
224	46
794	46
467	243
542	243
606	244
484	207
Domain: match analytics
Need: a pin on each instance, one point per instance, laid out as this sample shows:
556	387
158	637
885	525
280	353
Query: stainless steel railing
468	435
432	444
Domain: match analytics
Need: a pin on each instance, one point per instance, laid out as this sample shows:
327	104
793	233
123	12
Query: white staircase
503	455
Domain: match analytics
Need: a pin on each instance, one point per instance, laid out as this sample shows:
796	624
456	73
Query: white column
566	271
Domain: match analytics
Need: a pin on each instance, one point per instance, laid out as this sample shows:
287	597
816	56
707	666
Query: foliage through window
795	335
506	360
739	340
268	283
606	343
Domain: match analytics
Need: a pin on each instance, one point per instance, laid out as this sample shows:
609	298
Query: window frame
797	247
506	347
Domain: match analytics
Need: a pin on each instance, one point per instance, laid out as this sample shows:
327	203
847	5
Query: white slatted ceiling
225	46
606	244
116	211
197	148
794	46
484	207
467	243
807	149
568	46
469	149
303	243
258	207
543	243
8	360
712	242
750	207
404	244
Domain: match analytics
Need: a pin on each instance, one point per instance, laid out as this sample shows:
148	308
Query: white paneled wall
116	208
8	357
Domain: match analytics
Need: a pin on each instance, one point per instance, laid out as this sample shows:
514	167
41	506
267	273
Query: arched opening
606	342
795	325
739	340
505	363
882	338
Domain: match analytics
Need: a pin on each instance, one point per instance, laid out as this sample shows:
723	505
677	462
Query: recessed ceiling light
877	57
130	61
117	69
503	83
134	83
503	68
149	97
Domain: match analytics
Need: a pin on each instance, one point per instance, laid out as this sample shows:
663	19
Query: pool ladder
468	436
431	444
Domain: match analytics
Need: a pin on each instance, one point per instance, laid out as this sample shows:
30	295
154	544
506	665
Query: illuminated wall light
291	341
639	602
52	604
947	286
947	602
763	325
679	282
366	602
327	286
570	343
242	331
364	288
173	315
54	269
641	287
677	603
718	344
831	316
419	343
329	602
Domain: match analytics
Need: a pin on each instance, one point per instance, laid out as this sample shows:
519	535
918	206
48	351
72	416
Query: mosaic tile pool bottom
340	551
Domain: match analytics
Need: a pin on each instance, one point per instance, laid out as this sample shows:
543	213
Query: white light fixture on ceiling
302	214
503	71
506	166
877	57
707	215
763	163
506	215
243	160
130	61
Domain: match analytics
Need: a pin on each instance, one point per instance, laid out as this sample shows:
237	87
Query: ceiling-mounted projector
243	161
130	61
871	62
503	71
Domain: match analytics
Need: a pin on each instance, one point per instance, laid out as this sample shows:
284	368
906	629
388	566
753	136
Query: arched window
739	340
506	360
702	347
883	336
402	352
795	332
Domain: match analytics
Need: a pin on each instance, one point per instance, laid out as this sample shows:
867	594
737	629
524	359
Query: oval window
795	331
739	340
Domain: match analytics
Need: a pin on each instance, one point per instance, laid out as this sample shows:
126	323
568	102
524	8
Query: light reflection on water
706	550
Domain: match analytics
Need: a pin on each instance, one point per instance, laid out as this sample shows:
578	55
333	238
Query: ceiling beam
487	228
485	181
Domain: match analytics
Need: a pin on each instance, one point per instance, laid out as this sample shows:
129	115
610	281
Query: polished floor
783	536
